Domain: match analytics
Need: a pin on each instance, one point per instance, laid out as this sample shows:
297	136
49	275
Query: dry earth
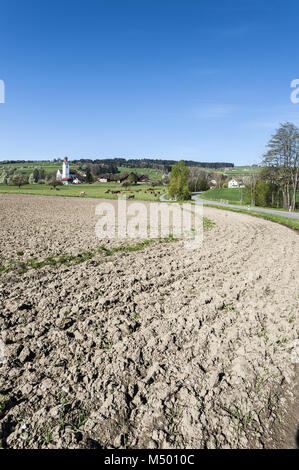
161	348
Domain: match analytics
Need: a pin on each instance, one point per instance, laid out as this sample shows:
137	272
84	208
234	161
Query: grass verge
287	221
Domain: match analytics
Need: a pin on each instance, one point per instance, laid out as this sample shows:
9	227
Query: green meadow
232	196
95	190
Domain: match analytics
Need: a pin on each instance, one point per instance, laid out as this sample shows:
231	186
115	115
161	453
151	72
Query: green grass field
242	171
28	168
231	196
95	190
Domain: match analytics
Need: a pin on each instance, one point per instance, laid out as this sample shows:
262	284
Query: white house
76	181
234	183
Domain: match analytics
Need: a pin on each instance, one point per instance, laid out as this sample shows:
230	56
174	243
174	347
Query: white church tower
65	169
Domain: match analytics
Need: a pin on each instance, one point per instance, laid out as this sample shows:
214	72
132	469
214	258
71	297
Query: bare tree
283	158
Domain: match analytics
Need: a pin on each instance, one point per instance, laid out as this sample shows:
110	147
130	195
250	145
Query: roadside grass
94	190
287	221
22	266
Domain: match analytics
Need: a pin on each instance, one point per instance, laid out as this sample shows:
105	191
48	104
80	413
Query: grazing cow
132	196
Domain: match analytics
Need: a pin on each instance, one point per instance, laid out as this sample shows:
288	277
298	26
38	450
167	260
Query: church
65	176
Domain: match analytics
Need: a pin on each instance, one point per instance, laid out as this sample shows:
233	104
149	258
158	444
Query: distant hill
156	164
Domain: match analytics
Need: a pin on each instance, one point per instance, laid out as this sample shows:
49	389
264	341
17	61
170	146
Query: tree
178	185
54	182
250	187
156	183
3	178
19	180
283	159
262	194
122	176
270	175
89	177
198	180
35	175
42	174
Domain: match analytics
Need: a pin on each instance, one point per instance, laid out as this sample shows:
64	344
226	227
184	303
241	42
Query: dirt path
163	348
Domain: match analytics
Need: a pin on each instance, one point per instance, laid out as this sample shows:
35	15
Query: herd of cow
131	193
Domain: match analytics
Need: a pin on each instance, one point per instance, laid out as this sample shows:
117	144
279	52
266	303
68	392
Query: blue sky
200	80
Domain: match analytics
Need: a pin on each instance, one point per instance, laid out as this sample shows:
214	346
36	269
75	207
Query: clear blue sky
201	80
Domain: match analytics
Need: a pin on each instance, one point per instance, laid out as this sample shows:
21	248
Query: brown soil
161	348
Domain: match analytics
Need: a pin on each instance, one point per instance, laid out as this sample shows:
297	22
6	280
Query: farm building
143	179
105	178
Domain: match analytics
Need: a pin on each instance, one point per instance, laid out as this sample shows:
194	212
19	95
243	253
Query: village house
127	178
235	183
143	179
76	180
105	178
